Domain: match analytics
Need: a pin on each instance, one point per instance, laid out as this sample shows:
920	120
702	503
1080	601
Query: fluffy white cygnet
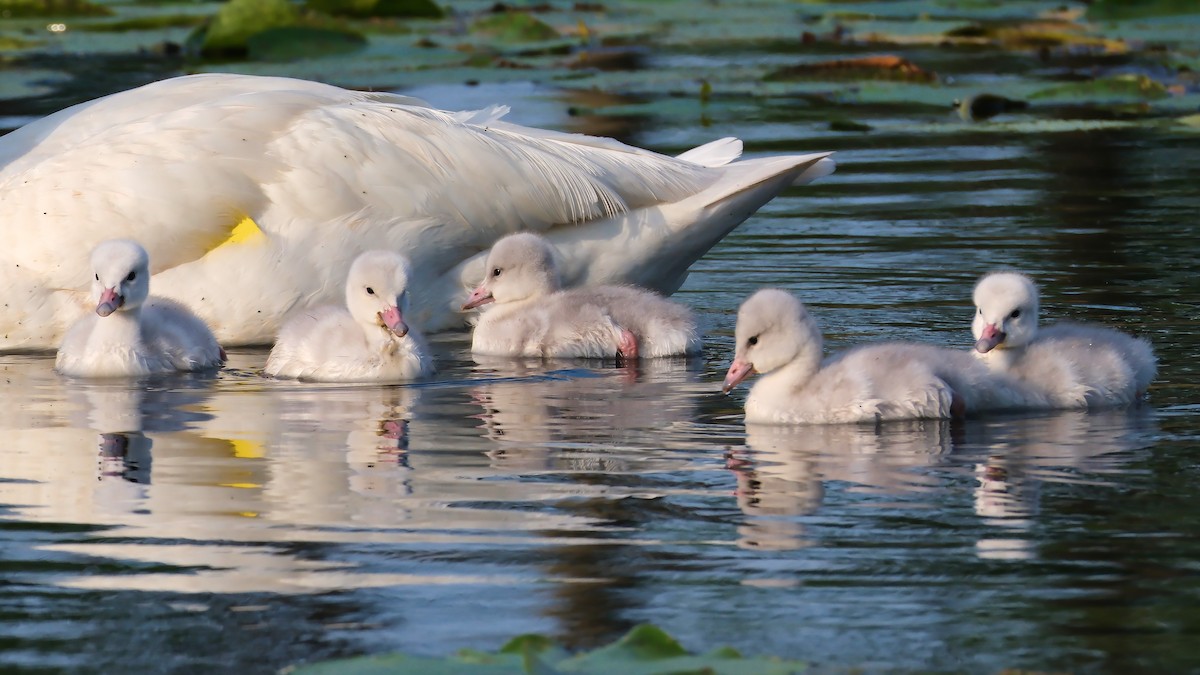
365	341
778	338
534	316
131	334
1073	365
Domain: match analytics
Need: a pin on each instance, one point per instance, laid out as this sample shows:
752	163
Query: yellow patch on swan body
245	232
245	449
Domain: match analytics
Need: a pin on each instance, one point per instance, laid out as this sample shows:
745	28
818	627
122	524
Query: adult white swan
253	195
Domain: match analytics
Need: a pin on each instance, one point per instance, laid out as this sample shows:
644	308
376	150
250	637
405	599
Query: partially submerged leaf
1190	121
515	27
17	9
1117	87
844	124
862	68
415	9
231	28
288	43
153	22
1036	35
1141	9
645	650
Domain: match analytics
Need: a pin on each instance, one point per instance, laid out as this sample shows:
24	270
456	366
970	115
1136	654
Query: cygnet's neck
545	282
792	377
119	329
381	340
1002	359
509	306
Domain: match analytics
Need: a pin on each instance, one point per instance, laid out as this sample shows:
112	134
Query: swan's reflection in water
1016	459
574	420
339	455
786	470
606	446
783	474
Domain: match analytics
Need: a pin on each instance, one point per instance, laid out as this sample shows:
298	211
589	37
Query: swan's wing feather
484	180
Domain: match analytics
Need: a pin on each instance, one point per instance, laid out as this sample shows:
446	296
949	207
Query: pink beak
738	371
990	338
109	302
394	321
479	297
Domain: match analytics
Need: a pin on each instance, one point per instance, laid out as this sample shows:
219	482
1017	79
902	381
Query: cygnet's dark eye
1015	313
496	272
370	291
752	341
97	277
132	276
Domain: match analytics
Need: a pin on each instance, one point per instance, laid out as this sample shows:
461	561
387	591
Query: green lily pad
645	650
229	31
1111	10
20	9
515	27
416	9
8	43
1117	87
155	22
844	124
289	43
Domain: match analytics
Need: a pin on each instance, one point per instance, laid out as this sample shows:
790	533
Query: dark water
236	524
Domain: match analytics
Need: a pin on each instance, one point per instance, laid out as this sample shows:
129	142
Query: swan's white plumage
130	333
1072	365
327	173
367	340
777	337
534	316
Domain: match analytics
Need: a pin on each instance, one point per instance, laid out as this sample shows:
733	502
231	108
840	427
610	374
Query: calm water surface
202	524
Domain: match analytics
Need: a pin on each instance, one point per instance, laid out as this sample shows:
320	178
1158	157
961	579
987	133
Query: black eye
132	276
370	291
752	341
496	272
97	277
1015	313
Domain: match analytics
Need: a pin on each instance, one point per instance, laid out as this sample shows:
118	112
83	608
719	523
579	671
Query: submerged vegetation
644	650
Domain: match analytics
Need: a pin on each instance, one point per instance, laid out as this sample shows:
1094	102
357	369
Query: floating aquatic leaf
237	20
9	43
1125	9
515	27
1190	121
296	42
645	650
1036	35
419	9
16	9
153	22
1116	87
862	68
843	124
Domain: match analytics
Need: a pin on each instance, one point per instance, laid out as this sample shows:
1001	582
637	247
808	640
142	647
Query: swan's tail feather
716	153
751	173
819	170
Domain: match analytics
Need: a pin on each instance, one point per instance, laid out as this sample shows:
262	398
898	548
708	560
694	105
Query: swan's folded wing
480	177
